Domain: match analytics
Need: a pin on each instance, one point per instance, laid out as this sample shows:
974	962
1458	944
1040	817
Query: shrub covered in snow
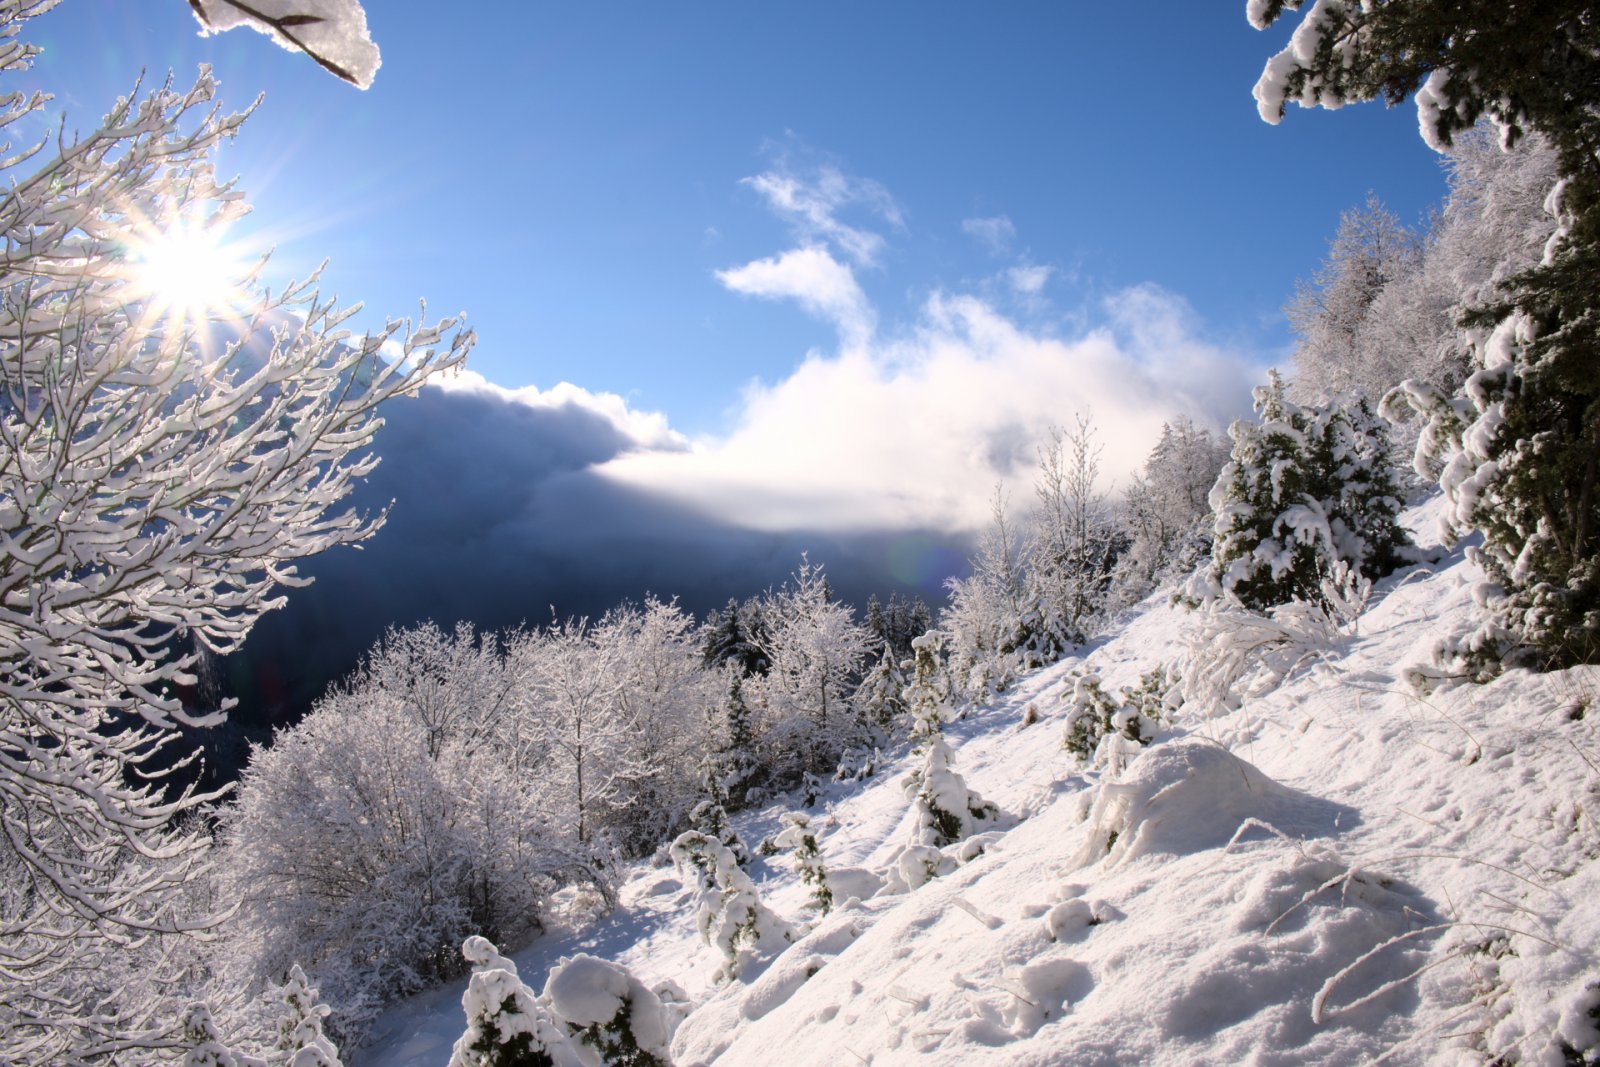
611	1017
1307	487
1097	721
508	1027
732	918
798	835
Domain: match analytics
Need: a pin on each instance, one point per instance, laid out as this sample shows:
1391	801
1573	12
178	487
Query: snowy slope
1339	872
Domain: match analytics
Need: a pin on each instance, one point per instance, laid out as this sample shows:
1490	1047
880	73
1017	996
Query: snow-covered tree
203	1042
301	1042
1370	253
711	819
507	1026
984	617
161	474
657	707
1168	510
1519	456
880	701
613	1019
799	836
1075	545
1306	489
732	770
816	649
732	917
946	810
572	691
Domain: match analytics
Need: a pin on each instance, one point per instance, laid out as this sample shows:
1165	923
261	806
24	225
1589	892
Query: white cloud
648	430
916	431
1029	279
822	285
811	202
995	233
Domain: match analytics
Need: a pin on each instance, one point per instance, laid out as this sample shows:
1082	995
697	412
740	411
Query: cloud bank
878	458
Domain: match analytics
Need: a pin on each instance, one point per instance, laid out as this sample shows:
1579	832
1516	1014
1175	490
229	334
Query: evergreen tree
880	701
946	810
1306	489
301	1041
1519	450
610	1014
733	771
798	834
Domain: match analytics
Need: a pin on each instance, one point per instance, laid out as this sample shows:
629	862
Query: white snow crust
1339	870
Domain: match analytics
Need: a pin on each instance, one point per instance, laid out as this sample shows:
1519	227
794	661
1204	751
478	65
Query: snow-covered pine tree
612	1018
880	701
710	818
1520	457
1306	488
507	1026
733	770
732	917
797	834
301	1042
946	810
1110	730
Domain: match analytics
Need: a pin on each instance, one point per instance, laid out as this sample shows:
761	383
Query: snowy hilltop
1321	864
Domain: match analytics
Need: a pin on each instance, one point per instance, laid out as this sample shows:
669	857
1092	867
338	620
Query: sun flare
190	272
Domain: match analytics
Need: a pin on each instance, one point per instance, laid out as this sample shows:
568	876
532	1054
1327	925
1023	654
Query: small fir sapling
507	1026
732	918
1093	715
947	811
301	1042
798	835
204	1042
711	819
613	1019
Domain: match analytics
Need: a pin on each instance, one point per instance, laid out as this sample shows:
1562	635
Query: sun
189	272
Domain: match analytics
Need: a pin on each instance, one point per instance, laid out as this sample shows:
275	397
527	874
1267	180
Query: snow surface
1340	871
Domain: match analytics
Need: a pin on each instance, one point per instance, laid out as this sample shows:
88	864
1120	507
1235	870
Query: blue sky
1083	187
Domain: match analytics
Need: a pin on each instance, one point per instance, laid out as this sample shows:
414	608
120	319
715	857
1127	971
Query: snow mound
1189	795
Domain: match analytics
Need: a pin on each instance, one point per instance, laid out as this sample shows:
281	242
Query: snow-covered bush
798	835
611	1017
732	918
1234	654
1100	726
363	849
1306	488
